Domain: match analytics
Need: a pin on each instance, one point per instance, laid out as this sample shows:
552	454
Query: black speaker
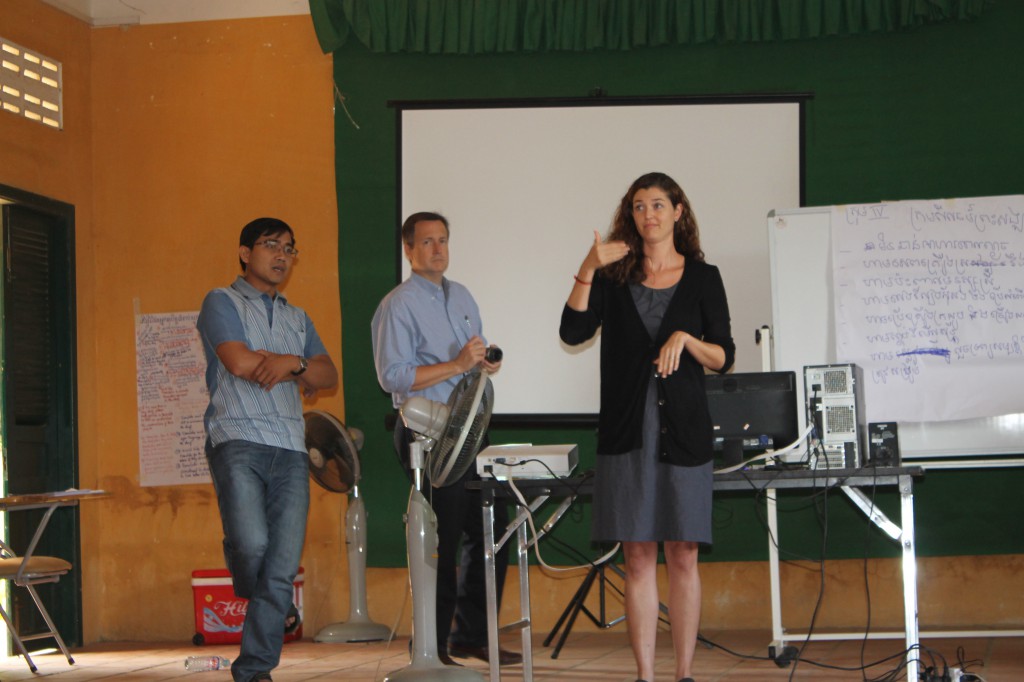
883	444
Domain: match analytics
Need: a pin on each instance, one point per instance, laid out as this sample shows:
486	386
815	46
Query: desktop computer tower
835	404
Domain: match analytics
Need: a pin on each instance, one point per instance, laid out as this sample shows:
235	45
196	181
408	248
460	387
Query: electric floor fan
334	464
447	440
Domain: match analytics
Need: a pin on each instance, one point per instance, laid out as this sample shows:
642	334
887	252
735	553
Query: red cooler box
219	613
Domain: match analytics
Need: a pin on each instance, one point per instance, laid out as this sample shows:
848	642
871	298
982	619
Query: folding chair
28	571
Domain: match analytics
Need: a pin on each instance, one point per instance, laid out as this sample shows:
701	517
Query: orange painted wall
58	165
176	136
197	129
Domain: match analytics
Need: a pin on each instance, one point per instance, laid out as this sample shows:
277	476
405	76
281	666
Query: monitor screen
752	412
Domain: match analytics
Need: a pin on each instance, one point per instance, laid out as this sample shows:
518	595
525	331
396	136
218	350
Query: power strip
953	674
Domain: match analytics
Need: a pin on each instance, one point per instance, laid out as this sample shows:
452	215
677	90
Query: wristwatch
303	364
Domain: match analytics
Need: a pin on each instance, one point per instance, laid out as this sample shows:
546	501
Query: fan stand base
421	543
353	632
442	673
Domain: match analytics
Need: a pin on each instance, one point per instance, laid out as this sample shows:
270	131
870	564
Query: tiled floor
587	656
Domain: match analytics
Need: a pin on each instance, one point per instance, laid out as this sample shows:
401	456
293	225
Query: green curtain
492	26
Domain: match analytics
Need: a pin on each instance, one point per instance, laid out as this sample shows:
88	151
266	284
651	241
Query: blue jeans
263	495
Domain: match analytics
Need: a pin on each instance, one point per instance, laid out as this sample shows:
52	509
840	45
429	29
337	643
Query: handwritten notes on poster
172	398
929	301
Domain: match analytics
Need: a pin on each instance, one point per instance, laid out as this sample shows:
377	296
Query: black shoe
447	660
505	657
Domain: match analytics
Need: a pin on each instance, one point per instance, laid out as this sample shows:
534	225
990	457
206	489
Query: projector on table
527	461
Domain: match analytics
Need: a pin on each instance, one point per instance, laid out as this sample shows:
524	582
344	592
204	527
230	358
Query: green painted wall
932	113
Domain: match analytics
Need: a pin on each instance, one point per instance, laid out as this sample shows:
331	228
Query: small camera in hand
493	354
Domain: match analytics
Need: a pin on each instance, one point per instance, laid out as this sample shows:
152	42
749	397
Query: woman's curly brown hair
685	234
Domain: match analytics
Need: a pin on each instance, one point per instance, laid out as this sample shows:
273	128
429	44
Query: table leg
490	583
773	569
909	576
526	620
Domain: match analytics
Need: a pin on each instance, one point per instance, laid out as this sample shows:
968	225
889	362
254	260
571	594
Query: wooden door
38	391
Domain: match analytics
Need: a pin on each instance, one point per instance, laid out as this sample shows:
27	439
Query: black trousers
461	586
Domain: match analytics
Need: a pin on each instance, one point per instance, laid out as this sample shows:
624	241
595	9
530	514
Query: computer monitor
752	412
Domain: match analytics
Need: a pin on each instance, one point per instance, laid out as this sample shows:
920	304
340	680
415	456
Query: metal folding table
768	481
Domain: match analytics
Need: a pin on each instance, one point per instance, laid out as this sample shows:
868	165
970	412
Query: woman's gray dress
636	497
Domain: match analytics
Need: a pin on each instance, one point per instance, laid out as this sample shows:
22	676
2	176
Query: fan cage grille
446	466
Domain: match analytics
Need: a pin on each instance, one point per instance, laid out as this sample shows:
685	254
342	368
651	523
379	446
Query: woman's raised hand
604	253
599	256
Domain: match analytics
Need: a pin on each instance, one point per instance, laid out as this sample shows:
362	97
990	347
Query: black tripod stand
577	604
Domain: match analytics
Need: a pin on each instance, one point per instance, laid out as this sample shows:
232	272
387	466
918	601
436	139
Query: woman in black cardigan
664	319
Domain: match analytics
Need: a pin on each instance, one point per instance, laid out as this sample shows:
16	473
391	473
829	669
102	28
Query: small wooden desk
64	498
48	501
32	570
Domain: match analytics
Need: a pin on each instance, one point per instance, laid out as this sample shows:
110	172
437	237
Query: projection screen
525	184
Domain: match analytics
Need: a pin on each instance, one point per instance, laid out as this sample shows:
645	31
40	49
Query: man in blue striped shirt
426	335
261	352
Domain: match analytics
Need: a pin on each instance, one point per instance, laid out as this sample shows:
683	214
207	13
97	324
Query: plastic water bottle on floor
198	664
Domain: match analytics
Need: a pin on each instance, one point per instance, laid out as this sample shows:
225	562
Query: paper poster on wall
172	398
929	301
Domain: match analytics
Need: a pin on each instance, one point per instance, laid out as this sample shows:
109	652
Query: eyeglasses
275	245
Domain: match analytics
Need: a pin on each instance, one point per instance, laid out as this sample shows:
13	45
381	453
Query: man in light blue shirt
260	352
426	335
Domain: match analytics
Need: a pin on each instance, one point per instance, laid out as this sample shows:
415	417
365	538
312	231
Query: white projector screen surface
525	187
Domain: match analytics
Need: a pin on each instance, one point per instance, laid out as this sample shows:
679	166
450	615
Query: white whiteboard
803	320
525	187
